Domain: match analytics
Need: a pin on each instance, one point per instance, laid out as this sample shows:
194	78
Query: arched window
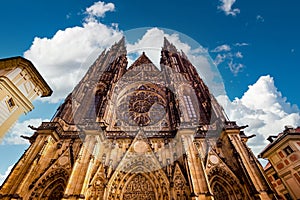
189	106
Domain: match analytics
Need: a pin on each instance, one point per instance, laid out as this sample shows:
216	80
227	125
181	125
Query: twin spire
166	46
120	47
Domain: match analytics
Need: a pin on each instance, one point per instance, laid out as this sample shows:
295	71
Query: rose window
141	107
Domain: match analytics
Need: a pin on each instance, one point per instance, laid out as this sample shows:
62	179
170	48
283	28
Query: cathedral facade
138	132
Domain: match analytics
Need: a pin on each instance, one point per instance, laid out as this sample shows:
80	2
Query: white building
20	84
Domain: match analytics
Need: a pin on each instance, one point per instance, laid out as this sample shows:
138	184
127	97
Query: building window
11	104
288	150
275	176
189	105
288	196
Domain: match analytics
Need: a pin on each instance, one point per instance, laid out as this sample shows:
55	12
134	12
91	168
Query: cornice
15	62
16	93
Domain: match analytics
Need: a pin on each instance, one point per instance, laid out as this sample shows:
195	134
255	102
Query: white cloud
239	54
264	109
227	54
235	68
226	6
63	59
3	176
241	44
60	59
13	136
224	47
98	9
219	59
260	18
152	41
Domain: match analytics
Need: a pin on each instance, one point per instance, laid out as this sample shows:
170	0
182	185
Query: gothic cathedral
138	132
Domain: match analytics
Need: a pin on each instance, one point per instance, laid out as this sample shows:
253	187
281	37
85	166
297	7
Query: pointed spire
67	111
184	55
168	46
120	46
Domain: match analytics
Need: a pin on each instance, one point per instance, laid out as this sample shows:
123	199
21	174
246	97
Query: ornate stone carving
142	107
139	188
52	186
225	185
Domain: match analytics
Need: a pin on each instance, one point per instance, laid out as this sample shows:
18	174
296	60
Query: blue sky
254	43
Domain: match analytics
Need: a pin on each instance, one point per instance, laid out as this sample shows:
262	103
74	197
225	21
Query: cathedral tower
138	132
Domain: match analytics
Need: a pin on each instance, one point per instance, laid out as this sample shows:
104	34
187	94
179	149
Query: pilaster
196	171
77	183
244	158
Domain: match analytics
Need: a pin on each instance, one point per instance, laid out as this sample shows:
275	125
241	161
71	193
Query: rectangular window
288	150
174	60
288	196
189	106
275	176
10	103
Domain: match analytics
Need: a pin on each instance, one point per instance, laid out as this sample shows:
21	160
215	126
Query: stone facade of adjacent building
283	169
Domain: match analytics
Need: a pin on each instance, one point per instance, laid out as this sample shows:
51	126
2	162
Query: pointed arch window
174	61
189	106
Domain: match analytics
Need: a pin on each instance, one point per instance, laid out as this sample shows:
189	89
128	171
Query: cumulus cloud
264	109
63	59
98	9
6	173
226	6
152	41
13	136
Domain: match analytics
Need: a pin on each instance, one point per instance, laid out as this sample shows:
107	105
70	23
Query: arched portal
140	182
57	192
52	186
220	192
225	185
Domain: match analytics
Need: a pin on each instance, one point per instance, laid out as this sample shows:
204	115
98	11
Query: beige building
20	84
283	169
138	132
